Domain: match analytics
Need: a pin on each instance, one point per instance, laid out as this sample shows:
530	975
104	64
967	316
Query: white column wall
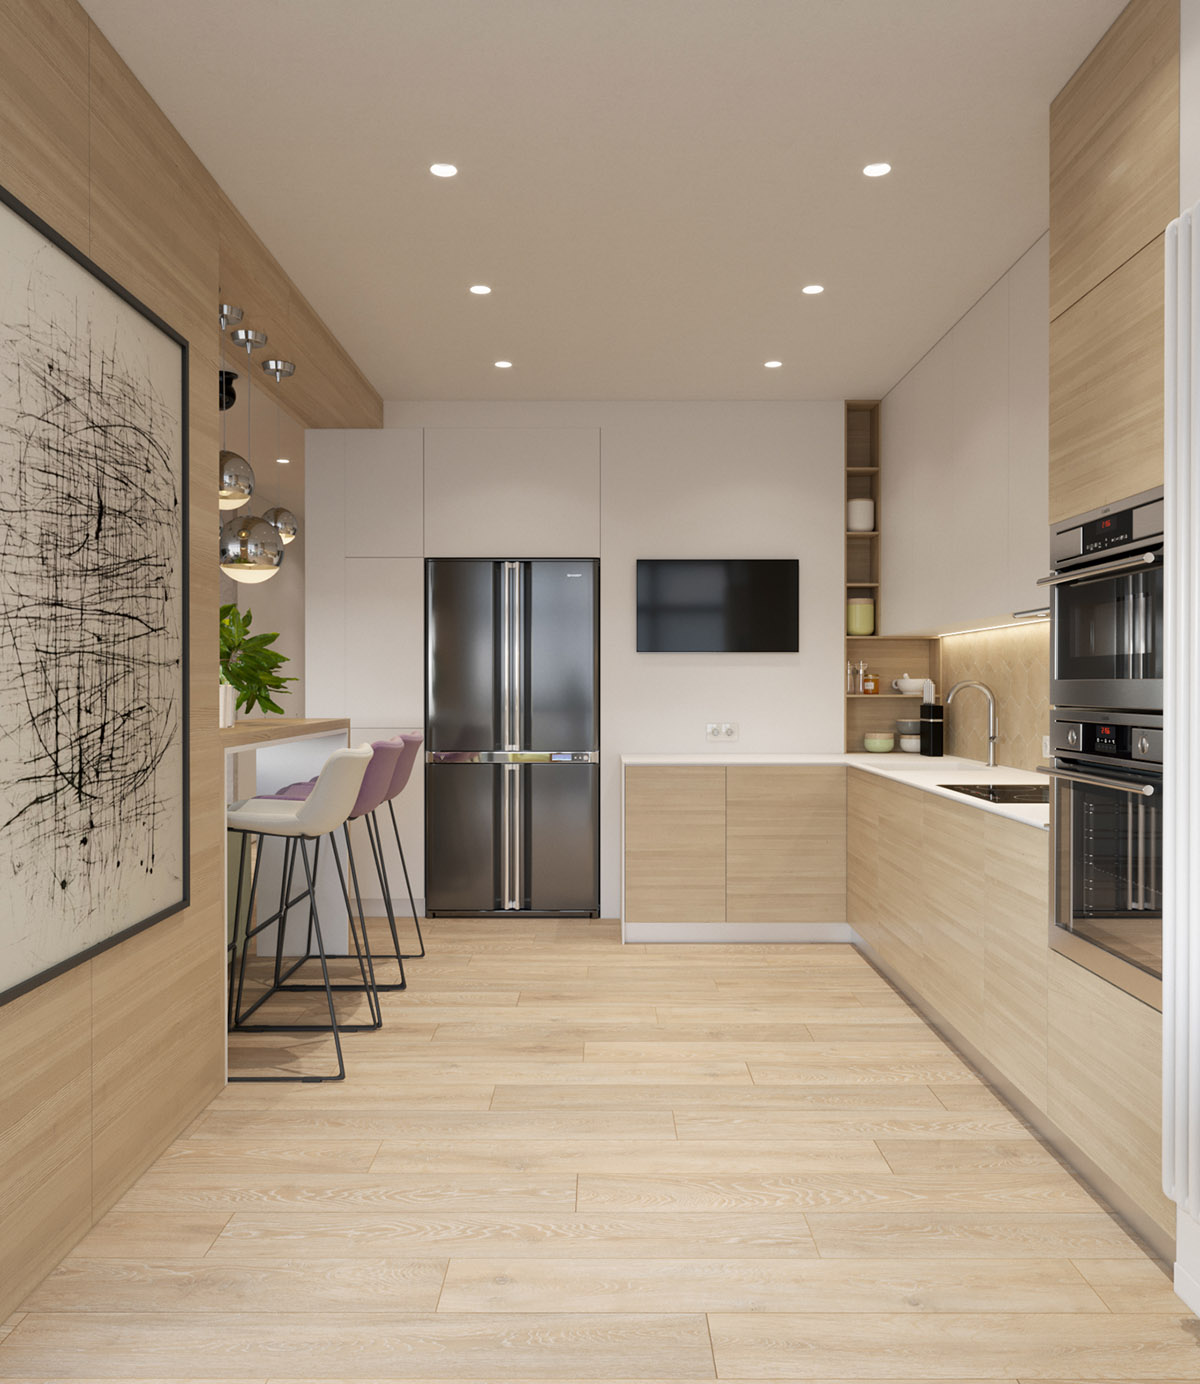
965	465
620	481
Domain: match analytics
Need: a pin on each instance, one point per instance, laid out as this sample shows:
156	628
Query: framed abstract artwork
93	608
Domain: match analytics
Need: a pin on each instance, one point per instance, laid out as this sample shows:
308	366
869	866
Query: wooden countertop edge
250	734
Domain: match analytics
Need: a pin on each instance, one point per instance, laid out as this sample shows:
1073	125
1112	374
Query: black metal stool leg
410	956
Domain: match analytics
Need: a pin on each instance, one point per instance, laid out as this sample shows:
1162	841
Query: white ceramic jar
860	516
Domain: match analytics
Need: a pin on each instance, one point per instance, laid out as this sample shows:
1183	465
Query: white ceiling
645	184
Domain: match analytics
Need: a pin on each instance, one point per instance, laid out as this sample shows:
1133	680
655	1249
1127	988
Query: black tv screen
718	605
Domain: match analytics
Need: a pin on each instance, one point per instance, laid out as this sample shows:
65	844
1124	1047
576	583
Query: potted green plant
248	663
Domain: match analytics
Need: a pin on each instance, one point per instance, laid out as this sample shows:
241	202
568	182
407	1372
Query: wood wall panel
45	1130
1104	1075
785	834
328	390
1106	390
675	844
44	111
103	1066
1114	151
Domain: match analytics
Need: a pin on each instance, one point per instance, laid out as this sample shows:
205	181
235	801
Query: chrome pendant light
236	483
249	338
251	549
281	369
283	521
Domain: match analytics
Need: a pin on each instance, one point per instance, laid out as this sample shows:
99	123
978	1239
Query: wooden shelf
883	696
865	585
862	533
862	470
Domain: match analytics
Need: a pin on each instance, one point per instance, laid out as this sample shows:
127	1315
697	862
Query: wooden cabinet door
675	844
1106	390
786	844
1114	151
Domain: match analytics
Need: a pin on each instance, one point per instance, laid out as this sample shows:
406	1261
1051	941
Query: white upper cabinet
512	492
963	465
384	514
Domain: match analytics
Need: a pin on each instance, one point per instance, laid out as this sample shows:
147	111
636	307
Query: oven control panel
1114	737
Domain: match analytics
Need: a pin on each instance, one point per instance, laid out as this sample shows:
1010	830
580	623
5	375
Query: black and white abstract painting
93	593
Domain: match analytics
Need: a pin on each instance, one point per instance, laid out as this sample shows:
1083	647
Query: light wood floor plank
1131	1285
698	1097
362	1192
450	1127
917	1127
1077	1236
349	1346
313	1286
955	1155
1021	1192
716	1285
257	1235
666	1158
876	1346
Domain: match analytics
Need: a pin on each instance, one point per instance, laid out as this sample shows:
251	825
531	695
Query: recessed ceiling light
480	288
772	364
443	170
283	461
877	170
813	288
504	365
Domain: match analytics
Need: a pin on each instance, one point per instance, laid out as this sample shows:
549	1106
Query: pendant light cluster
251	547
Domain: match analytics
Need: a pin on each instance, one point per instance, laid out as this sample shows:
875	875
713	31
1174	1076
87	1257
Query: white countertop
913	770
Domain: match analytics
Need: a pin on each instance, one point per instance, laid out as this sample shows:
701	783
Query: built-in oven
1106	606
1106	846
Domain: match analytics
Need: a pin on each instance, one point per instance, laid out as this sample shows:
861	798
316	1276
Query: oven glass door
1107	648
1108	874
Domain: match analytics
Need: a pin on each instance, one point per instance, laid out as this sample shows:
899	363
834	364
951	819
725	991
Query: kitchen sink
1003	792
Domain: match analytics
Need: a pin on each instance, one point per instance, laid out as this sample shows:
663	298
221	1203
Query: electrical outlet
729	730
721	730
1045	747
712	731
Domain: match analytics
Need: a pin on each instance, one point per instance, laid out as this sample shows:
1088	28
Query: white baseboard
737	932
1187	1286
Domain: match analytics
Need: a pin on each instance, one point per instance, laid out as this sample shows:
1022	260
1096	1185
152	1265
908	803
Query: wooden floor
562	1159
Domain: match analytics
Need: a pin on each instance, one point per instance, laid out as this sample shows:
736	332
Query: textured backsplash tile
1015	664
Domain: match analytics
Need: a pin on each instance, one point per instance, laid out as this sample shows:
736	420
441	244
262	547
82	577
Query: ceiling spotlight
443	170
480	288
813	288
772	364
504	365
229	316
877	170
249	338
281	369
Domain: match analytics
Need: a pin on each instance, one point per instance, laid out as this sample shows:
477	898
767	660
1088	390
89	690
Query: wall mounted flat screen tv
718	605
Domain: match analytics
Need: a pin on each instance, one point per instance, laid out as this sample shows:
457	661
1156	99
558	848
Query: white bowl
910	744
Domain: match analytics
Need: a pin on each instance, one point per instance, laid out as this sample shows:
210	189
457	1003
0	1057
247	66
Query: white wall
1189	104
621	480
964	465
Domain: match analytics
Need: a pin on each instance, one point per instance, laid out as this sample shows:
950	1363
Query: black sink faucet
991	698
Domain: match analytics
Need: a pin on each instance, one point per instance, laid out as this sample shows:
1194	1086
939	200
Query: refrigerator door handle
518	893
505	836
506	660
518	655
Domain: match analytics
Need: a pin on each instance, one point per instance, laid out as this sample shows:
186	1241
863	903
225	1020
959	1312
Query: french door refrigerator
512	774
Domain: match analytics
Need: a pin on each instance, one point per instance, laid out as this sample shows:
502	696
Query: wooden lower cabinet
675	844
754	844
954	903
1105	1081
785	844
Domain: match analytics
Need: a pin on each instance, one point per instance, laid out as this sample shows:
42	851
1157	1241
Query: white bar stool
322	812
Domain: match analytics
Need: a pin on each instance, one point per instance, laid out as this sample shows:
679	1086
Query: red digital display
1106	730
1106	523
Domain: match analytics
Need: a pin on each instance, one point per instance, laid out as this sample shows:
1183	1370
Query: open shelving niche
889	656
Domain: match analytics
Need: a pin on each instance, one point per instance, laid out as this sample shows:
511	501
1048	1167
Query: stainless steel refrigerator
512	748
